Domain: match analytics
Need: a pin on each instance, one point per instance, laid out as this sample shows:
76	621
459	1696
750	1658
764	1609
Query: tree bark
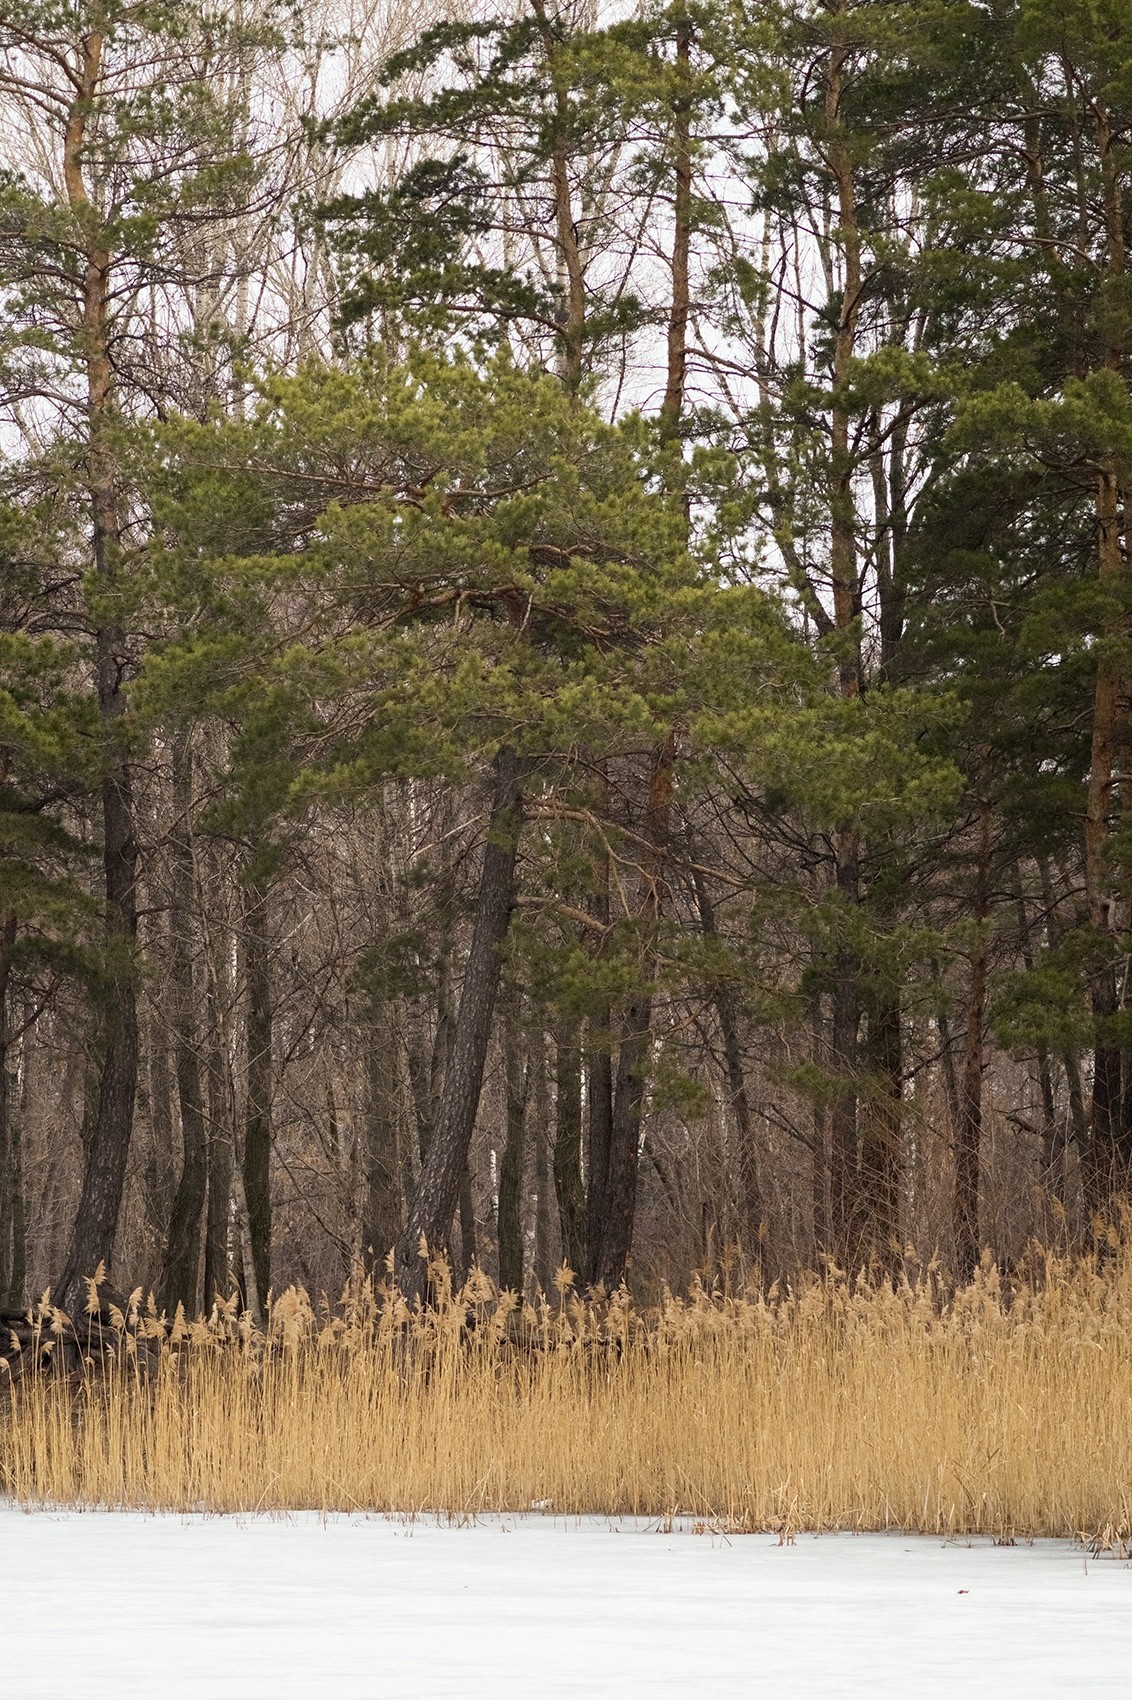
381	1220
881	1126
181	1268
217	1250
599	1094
256	1165
434	1202
568	1187
750	1190
636	1033
846	1011
571	261
100	1201
845	1024
7	1188
469	1237
968	1133
540	1085
1109	1174
517	1076
672	406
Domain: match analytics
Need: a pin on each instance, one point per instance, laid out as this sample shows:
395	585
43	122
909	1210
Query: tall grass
1005	1408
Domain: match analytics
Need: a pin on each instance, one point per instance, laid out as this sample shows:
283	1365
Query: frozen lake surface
109	1606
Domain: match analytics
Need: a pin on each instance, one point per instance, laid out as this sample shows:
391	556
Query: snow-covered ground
106	1606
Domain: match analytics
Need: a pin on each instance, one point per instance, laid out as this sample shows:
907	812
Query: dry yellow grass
1006	1409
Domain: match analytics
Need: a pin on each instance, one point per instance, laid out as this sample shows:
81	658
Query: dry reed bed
1004	1409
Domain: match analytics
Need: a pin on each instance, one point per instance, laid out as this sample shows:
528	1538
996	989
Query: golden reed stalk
1004	1408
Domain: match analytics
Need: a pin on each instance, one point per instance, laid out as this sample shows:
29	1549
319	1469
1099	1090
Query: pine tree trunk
381	1221
846	1012
544	1261
819	1128
510	1226
257	1120
438	1189
845	1197
968	1133
672	407
181	1270
469	1236
217	1253
599	1094
107	1154
1109	1175
749	1188
568	1187
7	1188
636	1033
17	1279
881	1126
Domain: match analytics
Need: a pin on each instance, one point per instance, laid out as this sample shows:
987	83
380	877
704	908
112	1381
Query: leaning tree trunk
438	1189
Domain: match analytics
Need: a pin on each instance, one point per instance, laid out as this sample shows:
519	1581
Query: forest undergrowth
1002	1408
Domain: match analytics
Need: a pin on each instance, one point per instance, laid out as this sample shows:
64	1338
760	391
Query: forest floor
115	1606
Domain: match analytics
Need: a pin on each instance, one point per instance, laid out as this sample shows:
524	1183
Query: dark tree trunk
843	1041
517	1078
599	1138
969	1132
217	1256
1078	1114
381	1219
156	1079
881	1128
1054	1140
107	1152
636	1033
845	587
181	1271
1109	1176
568	1187
108	1148
7	1188
819	1151
750	1190
469	1238
968	1136
438	1189
599	1091
17	1279
624	1144
257	1119
672	406
544	1264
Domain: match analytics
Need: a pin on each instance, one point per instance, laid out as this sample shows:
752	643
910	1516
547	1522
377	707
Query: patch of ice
110	1606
